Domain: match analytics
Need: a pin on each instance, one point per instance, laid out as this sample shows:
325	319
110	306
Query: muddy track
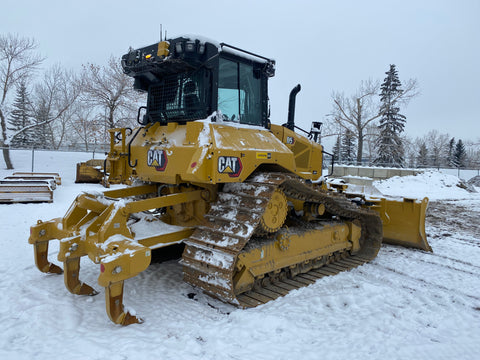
449	218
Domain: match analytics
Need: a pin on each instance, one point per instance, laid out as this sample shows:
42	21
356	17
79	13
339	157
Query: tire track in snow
446	266
454	260
459	261
418	256
428	283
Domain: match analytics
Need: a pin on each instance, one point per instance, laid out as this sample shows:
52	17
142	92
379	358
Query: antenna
162	33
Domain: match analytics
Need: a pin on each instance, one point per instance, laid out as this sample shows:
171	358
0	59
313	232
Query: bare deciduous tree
437	145
357	112
371	134
88	128
18	60
54	97
108	88
473	154
411	150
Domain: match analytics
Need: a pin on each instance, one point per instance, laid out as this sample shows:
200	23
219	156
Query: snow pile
475	181
432	184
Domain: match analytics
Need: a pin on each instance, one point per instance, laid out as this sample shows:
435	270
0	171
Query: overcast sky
325	46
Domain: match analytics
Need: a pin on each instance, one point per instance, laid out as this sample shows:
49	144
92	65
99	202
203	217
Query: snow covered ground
406	304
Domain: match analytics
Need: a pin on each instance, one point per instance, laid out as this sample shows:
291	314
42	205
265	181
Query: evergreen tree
422	157
348	148
451	152
389	144
460	155
41	131
336	149
21	117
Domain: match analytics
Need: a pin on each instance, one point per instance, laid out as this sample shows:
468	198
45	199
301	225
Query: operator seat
190	99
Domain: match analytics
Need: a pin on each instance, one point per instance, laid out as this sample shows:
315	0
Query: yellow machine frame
197	180
199	154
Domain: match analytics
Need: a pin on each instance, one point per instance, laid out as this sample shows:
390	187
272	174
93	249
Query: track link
281	285
211	252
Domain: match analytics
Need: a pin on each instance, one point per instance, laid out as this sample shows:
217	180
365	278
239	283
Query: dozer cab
207	169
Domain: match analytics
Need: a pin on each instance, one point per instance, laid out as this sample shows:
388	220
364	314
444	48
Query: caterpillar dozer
208	172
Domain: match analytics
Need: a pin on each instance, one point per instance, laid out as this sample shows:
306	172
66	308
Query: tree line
368	127
437	150
433	150
57	107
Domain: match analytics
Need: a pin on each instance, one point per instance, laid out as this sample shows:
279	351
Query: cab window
239	96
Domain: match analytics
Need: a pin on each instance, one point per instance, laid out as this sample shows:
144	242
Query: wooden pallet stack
29	187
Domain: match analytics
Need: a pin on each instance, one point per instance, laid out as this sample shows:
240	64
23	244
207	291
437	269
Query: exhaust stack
291	108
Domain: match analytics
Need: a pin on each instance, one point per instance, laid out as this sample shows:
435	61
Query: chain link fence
96	151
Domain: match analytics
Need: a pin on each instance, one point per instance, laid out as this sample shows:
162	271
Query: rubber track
210	253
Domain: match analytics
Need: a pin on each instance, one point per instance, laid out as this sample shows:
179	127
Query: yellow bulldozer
208	172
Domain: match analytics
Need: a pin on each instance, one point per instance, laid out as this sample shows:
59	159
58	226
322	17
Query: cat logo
229	165
157	159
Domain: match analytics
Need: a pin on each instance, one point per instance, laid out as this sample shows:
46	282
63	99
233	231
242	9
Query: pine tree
40	131
460	155
422	157
451	152
389	145
348	148
21	117
336	149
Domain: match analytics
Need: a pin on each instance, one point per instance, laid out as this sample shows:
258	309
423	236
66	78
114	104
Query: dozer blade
403	221
91	171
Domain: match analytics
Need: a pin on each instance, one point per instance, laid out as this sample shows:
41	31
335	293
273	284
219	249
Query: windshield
179	97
